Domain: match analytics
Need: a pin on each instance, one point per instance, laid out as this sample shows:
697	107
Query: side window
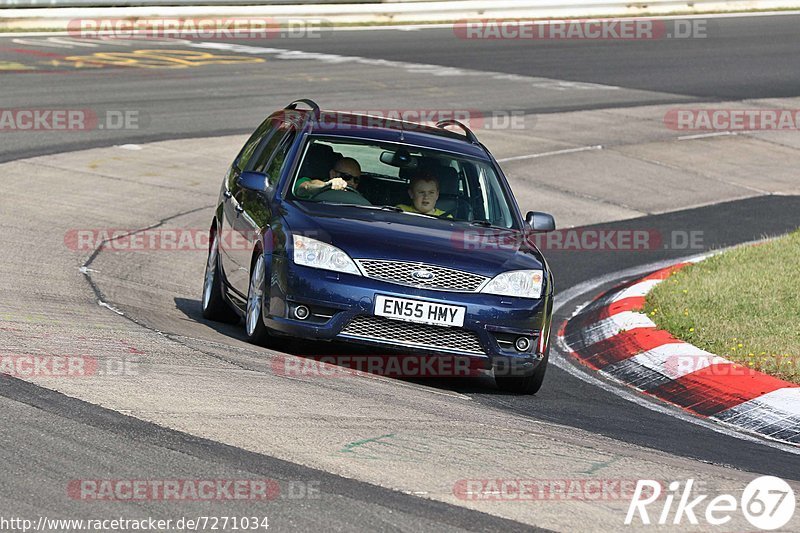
266	148
495	209
273	170
262	133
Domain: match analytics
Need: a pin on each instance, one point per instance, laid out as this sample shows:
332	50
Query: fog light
301	312
522	344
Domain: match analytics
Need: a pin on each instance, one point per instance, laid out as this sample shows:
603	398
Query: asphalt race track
740	58
368	453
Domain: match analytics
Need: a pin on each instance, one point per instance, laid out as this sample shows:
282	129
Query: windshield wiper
395	209
486	224
379	207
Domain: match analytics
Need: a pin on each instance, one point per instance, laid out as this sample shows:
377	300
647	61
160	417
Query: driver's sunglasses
348	177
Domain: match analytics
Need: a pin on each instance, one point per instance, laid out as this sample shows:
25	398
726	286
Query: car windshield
401	178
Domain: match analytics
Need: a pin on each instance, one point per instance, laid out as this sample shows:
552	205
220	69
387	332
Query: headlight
315	254
519	283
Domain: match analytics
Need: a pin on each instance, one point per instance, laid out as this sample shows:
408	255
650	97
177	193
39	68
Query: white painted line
547	154
706	135
47	43
101	303
698	258
787	399
613	325
725	133
69	42
416	68
637	290
774	414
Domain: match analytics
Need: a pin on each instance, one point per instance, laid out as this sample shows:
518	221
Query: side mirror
253	181
540	221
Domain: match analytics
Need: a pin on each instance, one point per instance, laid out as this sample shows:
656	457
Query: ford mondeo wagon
342	227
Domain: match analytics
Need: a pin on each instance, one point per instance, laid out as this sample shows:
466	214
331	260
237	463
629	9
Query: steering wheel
328	187
348	195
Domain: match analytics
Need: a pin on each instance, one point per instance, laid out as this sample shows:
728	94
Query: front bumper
342	308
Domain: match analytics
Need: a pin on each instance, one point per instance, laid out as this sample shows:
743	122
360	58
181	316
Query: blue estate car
360	264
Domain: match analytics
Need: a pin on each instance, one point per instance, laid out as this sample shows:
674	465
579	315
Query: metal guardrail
19	4
132	3
22	15
633	5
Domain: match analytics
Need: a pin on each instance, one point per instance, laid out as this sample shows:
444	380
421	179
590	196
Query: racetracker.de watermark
205	28
713	365
578	239
191	490
71	120
395	366
563	489
120	490
581	239
68	366
155	240
721	120
622	29
475	119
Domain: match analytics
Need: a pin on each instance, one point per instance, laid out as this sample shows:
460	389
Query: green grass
743	304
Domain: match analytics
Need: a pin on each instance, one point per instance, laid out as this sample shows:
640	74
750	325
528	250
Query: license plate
421	312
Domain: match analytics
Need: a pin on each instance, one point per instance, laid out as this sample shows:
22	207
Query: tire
254	327
529	384
213	299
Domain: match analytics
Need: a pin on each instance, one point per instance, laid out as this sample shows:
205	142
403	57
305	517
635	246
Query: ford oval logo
423	275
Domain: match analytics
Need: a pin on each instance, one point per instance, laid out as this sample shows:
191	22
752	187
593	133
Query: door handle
227	194
239	208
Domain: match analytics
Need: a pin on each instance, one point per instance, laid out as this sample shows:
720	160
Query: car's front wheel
529	384
254	325
214	305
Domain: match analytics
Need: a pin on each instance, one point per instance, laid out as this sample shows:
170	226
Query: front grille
401	333
400	272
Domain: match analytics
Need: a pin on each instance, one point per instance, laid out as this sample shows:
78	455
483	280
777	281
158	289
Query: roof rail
468	132
310	103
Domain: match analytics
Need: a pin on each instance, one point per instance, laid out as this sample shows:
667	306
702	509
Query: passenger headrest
448	180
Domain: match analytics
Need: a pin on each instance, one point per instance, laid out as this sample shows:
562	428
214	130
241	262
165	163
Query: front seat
450	199
318	162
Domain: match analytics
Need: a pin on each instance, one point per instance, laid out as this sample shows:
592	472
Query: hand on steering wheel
329	187
337	184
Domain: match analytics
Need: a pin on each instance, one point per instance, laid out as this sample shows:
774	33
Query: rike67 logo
767	503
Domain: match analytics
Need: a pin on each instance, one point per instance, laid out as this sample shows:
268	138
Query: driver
346	172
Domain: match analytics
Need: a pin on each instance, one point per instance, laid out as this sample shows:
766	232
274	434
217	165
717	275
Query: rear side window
262	133
266	149
273	168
